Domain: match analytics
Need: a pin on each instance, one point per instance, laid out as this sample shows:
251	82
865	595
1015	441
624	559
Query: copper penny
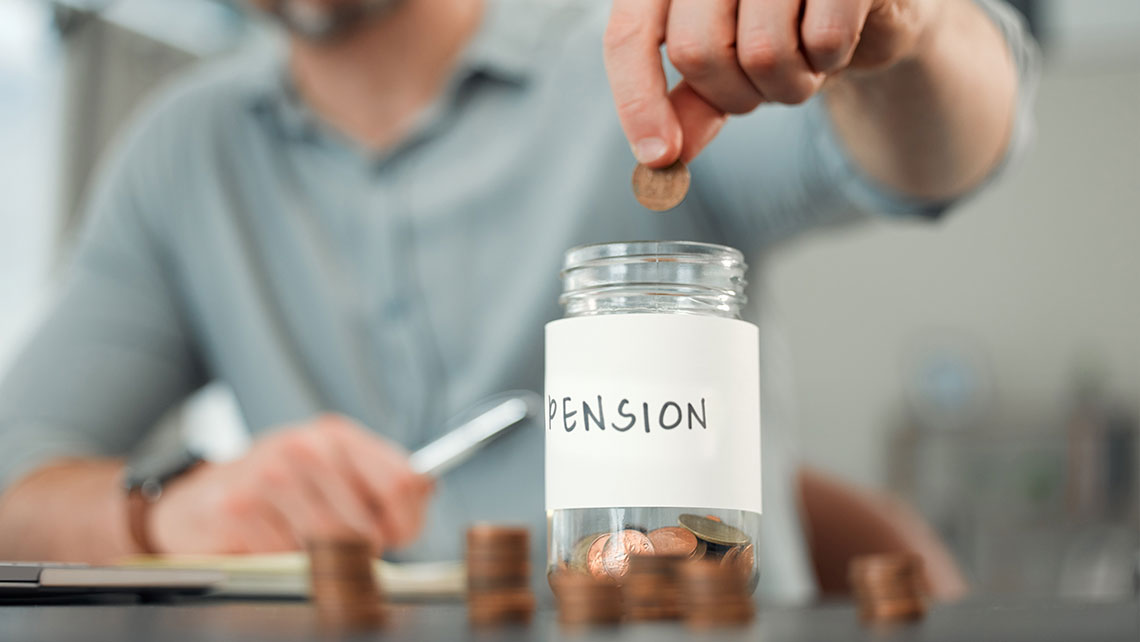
595	557
673	540
661	189
620	547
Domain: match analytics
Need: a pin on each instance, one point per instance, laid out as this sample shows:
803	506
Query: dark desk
248	620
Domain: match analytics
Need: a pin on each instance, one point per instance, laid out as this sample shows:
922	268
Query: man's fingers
700	121
830	32
397	493
266	531
633	40
701	43
768	46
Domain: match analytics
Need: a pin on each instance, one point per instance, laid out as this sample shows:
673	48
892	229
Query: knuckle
301	447
692	57
828	41
797	93
238	503
758	55
623	29
634	105
405	485
271	474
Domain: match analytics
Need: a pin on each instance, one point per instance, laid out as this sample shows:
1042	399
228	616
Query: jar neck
654	277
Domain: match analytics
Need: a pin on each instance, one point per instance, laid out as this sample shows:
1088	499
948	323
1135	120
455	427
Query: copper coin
595	557
673	540
661	189
714	531
620	547
580	553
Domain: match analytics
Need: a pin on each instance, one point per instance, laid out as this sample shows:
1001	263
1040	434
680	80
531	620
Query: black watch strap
144	481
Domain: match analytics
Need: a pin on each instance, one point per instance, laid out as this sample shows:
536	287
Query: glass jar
652	410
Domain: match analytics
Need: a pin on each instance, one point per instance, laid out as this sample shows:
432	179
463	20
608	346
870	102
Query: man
372	226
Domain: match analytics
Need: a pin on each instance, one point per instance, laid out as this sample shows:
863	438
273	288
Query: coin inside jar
661	189
673	540
595	557
620	547
716	532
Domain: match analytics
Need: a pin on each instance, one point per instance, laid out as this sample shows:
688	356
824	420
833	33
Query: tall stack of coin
714	595
888	587
343	584
651	590
498	575
585	600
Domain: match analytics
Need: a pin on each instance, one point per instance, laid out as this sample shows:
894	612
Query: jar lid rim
584	254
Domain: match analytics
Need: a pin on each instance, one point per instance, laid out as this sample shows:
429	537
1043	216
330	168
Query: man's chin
323	21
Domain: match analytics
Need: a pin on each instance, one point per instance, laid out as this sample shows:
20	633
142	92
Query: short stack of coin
343	584
651	590
714	595
888	587
585	600
498	575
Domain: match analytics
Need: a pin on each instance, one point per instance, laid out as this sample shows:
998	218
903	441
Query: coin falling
661	189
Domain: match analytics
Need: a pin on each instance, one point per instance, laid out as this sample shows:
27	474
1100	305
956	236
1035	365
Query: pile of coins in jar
695	537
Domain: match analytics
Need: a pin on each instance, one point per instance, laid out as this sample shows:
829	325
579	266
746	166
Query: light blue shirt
233	236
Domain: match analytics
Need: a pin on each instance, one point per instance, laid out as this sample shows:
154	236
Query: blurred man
362	235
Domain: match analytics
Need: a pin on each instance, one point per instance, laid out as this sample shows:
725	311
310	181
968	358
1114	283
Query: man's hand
328	478
737	54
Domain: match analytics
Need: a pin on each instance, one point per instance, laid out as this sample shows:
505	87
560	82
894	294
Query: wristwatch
143	480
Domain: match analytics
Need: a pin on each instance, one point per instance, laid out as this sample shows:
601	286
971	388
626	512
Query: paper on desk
287	574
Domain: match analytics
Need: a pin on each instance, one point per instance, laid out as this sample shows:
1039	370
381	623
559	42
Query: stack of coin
343	584
888	587
651	590
498	575
585	600
714	595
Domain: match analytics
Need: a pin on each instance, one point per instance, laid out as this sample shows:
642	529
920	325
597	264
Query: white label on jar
652	410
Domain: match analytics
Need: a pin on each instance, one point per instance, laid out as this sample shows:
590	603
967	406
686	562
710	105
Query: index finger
633	40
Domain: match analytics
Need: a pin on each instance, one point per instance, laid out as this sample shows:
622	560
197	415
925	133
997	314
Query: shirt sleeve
113	352
806	179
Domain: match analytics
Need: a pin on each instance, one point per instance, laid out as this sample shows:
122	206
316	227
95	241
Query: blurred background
985	369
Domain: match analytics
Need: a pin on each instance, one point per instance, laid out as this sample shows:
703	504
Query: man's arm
934	125
116	351
111	355
922	91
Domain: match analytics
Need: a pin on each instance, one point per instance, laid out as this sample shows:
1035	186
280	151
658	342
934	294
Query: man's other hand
734	55
329	477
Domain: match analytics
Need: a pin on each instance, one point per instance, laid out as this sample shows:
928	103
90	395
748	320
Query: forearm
69	510
934	125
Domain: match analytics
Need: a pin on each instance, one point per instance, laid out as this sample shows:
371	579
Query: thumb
700	122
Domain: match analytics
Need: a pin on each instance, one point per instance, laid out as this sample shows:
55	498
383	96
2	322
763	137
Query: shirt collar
507	43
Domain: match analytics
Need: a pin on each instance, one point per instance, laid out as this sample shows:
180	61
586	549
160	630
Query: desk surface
249	620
